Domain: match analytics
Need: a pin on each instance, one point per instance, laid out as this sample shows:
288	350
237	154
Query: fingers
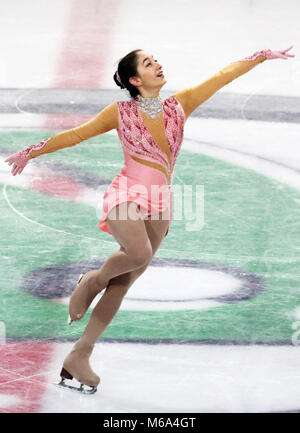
14	170
287	49
8	160
17	169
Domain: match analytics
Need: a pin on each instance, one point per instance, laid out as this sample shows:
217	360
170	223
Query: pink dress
142	184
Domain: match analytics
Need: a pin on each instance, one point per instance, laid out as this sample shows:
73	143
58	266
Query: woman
151	131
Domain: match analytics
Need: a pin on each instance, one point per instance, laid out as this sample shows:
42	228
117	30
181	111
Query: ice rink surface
214	323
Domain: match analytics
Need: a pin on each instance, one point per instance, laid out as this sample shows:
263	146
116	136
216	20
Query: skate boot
83	295
76	365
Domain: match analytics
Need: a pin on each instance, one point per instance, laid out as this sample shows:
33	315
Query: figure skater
151	131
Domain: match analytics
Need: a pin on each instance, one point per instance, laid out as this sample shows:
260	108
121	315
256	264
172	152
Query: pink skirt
151	197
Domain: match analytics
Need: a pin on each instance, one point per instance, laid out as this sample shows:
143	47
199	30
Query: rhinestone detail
38	146
266	53
151	106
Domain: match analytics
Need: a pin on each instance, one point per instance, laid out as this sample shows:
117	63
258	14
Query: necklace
151	106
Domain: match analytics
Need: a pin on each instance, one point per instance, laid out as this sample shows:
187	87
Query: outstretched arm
106	120
192	97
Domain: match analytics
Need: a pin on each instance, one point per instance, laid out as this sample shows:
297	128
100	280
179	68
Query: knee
142	256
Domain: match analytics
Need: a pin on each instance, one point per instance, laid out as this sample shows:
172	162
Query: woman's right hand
19	159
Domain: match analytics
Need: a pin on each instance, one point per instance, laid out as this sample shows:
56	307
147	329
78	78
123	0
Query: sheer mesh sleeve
192	97
106	120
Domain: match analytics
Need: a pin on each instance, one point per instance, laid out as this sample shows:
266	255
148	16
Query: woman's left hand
270	54
279	54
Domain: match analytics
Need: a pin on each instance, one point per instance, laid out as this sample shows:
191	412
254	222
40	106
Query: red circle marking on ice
59	186
22	374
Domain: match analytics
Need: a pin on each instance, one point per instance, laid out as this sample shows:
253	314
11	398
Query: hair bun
117	80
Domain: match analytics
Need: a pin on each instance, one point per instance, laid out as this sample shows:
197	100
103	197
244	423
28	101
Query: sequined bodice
139	143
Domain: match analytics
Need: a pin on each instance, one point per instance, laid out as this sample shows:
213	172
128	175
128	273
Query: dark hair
127	68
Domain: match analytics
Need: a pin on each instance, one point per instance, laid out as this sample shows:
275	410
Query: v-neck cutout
161	117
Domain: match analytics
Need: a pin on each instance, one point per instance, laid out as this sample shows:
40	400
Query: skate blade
79	279
81	389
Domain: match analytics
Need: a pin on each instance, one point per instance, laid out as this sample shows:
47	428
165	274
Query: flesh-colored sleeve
192	97
106	120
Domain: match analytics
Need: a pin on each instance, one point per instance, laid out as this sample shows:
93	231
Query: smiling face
150	78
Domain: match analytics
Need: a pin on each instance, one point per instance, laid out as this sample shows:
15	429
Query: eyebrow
147	58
